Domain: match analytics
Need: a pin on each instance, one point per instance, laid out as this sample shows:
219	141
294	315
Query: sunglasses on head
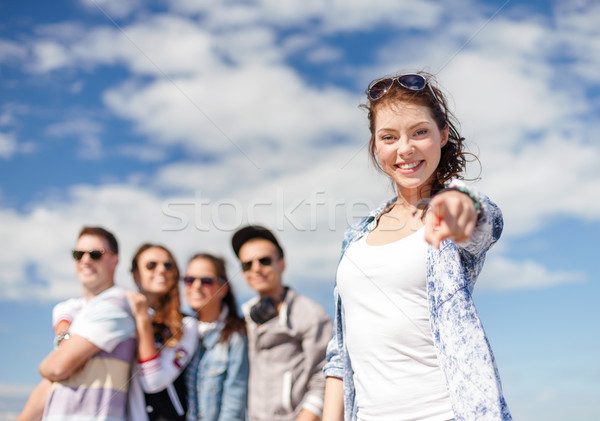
204	280
264	261
153	265
94	254
411	81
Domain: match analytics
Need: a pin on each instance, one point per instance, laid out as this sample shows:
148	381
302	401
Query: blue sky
178	121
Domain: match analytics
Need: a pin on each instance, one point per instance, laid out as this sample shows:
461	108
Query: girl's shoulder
237	338
189	339
189	322
366	223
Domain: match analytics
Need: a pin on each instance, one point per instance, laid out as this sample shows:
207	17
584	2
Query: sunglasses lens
167	265
207	281
412	82
77	255
96	254
265	261
380	87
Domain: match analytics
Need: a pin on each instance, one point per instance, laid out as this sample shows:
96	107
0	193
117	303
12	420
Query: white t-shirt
105	320
396	372
97	391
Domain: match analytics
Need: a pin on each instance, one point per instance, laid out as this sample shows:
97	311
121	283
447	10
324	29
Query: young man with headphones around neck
287	335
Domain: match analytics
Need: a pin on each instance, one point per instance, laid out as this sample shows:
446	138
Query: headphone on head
266	308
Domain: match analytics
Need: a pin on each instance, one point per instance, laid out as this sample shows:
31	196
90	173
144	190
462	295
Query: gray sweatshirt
287	354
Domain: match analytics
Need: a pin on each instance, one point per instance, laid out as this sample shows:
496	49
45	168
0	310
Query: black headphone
265	309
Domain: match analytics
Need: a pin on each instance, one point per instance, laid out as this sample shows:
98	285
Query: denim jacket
217	379
463	351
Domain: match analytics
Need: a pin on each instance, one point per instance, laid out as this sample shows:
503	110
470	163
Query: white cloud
332	16
87	133
6	118
499	99
144	153
503	274
298	42
113	9
48	56
166	45
525	38
144	47
9	116
76	87
10	50
253	109
212	178
64	32
324	54
545	179
580	36
8	145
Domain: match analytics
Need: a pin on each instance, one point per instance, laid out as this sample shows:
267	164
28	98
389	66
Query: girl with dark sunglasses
407	343
217	377
167	339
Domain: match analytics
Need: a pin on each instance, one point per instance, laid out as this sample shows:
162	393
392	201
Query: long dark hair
453	157
233	322
167	318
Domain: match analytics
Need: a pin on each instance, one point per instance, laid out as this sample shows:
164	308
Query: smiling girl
408	344
167	339
217	376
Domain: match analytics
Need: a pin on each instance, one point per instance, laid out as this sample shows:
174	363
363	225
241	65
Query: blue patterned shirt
463	351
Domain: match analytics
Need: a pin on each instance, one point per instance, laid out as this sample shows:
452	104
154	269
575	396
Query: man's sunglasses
264	261
206	281
94	254
152	265
411	81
